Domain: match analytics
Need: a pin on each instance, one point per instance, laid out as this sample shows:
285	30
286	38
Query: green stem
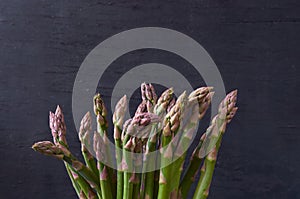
149	176
202	189
82	170
136	186
149	185
104	183
180	150
156	184
74	183
84	185
189	176
119	172
171	126
89	160
128	187
191	170
165	174
102	126
177	167
111	176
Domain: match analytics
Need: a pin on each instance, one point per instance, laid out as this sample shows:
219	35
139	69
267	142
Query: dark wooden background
255	45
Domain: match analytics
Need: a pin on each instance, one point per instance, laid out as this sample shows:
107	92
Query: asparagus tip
120	109
58	110
99	106
48	148
85	127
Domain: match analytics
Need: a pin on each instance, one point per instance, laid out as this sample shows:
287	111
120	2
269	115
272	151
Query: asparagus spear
149	99
58	126
127	164
58	130
159	109
75	184
138	160
171	126
157	172
100	148
118	119
202	191
102	125
62	153
195	161
216	130
191	170
198	104
84	137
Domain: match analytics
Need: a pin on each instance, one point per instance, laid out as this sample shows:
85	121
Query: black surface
255	45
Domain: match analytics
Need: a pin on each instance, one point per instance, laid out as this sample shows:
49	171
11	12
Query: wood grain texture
255	45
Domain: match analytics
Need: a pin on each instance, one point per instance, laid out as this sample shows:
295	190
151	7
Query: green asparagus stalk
100	148
85	187
157	172
127	164
58	131
102	125
118	120
62	153
84	137
202	172
202	190
191	170
149	99
216	130
203	96
196	107
185	137
160	110
171	126
75	184
138	161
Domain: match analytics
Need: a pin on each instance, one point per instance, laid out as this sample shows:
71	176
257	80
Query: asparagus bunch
161	124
